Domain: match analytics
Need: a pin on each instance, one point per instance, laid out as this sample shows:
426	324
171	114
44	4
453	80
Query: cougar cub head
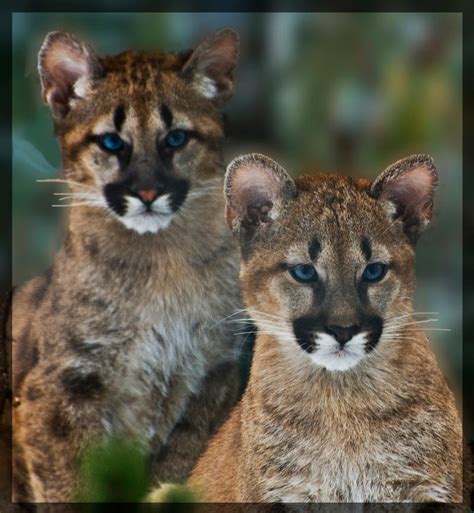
327	260
142	129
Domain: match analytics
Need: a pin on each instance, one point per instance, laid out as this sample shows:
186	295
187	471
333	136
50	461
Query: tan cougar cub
346	402
119	338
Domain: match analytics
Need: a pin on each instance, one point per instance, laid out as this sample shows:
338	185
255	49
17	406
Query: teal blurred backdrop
341	92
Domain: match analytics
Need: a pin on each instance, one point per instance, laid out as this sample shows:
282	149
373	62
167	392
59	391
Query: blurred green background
343	92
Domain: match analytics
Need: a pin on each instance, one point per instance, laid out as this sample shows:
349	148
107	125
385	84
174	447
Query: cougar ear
65	66
211	65
409	184
256	189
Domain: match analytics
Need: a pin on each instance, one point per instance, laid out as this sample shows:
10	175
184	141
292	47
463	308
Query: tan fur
121	337
385	430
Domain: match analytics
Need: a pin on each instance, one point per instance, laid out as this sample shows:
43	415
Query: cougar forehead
333	218
142	80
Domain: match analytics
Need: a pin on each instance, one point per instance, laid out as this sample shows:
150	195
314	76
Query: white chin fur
141	221
146	223
329	356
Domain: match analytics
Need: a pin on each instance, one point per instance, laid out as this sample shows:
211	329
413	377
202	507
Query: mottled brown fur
385	429
120	337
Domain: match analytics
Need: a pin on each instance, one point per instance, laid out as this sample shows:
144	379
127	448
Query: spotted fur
121	337
361	415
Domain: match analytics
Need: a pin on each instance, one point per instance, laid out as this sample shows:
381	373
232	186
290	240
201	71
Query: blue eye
111	142
176	138
374	272
304	273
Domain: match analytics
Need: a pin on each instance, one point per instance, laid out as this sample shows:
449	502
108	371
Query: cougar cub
346	401
119	338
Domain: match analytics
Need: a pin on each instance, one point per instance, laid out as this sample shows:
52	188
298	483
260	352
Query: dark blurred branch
5	397
5	349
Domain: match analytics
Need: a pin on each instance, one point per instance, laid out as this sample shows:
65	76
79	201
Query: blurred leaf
28	157
114	471
174	498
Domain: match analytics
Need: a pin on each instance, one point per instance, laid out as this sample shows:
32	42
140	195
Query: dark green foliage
114	471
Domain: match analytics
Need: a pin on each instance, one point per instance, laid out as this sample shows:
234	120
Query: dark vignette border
231	6
5	258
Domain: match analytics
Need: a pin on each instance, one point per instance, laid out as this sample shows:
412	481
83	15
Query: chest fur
160	361
351	467
149	341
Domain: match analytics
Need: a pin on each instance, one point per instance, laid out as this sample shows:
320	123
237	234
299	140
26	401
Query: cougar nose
342	333
148	195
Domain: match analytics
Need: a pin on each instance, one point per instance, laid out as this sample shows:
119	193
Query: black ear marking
258	213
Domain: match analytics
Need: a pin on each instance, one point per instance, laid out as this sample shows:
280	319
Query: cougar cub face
328	261
143	129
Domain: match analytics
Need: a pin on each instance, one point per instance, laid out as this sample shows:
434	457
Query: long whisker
228	317
85	204
268	321
79	195
242	345
412	313
70	193
270	325
396	337
272	328
391	326
429	329
253	311
262	332
59	180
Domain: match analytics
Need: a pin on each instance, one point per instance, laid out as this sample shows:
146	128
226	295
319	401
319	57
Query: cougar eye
304	273
374	272
176	138
111	142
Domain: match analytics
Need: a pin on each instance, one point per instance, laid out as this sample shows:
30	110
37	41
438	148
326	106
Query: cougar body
346	402
120	337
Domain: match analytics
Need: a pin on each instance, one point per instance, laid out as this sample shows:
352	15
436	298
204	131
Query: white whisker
59	180
85	204
261	321
391	326
66	196
429	329
409	314
253	311
241	310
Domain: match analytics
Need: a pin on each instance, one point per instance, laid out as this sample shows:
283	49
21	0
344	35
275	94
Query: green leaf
114	471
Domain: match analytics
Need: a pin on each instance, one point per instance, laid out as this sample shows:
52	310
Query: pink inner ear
421	179
65	64
252	186
226	50
219	57
69	68
62	62
256	189
216	57
413	188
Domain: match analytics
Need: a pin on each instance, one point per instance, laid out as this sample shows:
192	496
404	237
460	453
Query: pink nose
148	195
